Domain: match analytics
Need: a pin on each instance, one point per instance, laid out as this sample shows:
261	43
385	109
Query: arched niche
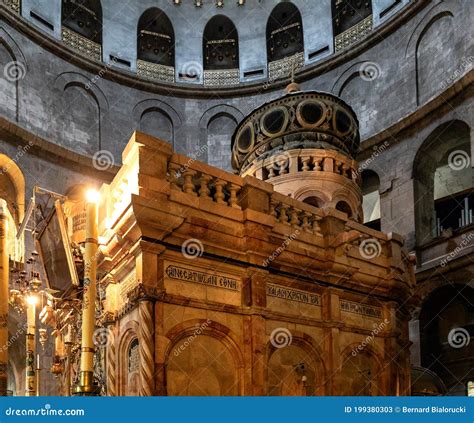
84	17
443	182
344	207
82	110
220	44
360	373
129	361
434	56
12	200
295	369
156	122
446	331
203	360
155	38
219	132
284	32
371	199
13	64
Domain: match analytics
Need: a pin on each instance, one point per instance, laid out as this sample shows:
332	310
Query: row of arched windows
220	44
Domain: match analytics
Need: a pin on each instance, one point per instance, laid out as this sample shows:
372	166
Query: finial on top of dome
292	86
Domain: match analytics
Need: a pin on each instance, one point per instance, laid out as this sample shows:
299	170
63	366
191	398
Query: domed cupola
303	143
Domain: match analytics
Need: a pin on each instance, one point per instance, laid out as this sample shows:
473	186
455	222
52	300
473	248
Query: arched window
220	46
285	45
446	326
155	46
82	26
344	207
371	199
444	183
352	21
284	32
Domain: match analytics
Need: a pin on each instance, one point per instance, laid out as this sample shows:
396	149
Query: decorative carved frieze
221	77
353	35
155	71
83	45
14	5
283	68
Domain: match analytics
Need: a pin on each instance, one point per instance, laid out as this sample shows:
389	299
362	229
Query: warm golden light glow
92	196
32	299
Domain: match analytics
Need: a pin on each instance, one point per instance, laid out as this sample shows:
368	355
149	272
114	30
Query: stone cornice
190	90
13	134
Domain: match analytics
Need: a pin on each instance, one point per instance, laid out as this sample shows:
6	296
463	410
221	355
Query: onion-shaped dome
298	120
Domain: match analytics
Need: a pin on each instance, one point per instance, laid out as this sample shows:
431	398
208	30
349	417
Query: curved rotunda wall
97	106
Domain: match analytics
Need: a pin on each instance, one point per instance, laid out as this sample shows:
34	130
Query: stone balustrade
197	179
308	160
285	212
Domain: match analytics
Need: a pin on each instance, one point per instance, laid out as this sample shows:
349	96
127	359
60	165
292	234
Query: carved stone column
146	342
112	362
4	272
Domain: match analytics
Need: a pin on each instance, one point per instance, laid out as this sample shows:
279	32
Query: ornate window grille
353	35
155	71
82	44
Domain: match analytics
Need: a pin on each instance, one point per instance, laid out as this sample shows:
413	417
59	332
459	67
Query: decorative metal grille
83	45
353	35
155	71
15	5
219	78
284	68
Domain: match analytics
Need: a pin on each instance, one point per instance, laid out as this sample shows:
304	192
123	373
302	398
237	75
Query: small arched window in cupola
285	44
352	21
220	45
155	46
82	26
